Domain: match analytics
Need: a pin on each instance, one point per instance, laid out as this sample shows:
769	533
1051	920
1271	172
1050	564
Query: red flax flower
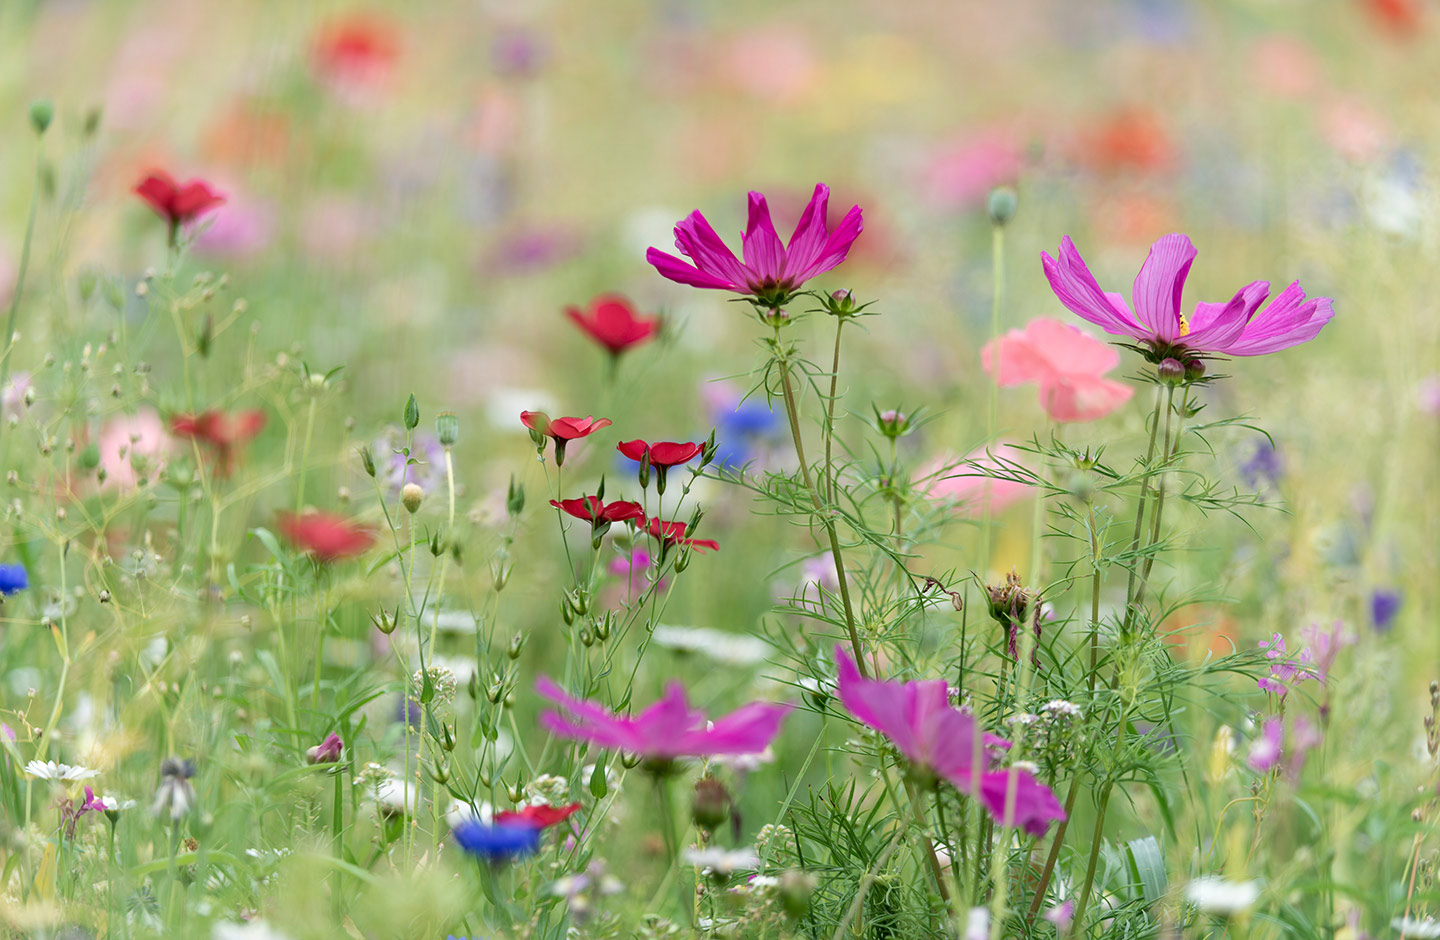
224	433
560	430
327	537
673	533
597	512
662	456
356	53
540	817
178	203
613	322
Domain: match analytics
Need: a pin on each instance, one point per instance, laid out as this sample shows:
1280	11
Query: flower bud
327	751
712	803
795	890
514	498
599	786
587	639
412	414
411	497
367	460
517	644
1002	204
42	112
1194	370
892	423
385	622
1171	372
447	428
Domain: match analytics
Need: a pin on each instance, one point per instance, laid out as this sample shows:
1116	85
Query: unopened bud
1001	204
411	497
1171	372
367	460
412	414
517	644
447	428
42	112
712	803
1194	370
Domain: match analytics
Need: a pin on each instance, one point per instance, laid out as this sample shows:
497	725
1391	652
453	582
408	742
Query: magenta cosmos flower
944	741
772	271
1236	328
667	730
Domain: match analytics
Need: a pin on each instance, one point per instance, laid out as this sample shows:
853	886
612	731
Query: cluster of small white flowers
1062	707
442	681
548	790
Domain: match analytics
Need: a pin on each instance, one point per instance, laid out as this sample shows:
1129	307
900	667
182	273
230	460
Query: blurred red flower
178	203
662	453
541	817
673	533
613	322
593	510
327	537
226	433
356	51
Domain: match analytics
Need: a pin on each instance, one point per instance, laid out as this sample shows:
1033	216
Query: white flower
255	930
977	924
744	762
731	648
49	770
1060	706
1427	929
722	861
1218	896
113	805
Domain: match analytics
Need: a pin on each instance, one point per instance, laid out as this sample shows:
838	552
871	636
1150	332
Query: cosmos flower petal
1160	283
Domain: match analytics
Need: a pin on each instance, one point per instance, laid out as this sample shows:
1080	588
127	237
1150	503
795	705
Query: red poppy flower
178	203
541	817
613	323
596	512
560	430
226	433
1129	140
327	537
662	453
357	51
673	533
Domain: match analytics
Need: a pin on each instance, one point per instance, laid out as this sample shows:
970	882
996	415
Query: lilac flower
1323	646
428	472
1385	604
772	272
1264	465
1235	328
667	730
1266	750
1284	672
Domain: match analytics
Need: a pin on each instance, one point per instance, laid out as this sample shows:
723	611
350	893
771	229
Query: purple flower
1264	465
1235	328
667	730
1323	646
1385	604
771	272
940	739
1284	672
1266	749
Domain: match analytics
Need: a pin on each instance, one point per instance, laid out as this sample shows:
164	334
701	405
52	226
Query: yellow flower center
1184	326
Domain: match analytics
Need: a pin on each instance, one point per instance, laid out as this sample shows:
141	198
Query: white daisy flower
722	861
1218	896
49	770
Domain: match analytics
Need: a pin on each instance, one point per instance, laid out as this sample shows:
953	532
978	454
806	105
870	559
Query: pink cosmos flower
1235	328
918	719
961	481
667	730
1068	364
772	271
130	443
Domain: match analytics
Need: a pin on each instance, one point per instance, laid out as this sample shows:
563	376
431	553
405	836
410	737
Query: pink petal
1076	288
1160	283
681	272
1083	398
764	254
1288	321
698	241
836	247
811	231
1067	350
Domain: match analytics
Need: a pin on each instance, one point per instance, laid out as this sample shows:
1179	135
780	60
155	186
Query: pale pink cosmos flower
1069	366
130	441
667	730
940	739
963	171
963	481
772	271
1235	328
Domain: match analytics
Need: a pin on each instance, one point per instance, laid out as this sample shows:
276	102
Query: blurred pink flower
1265	751
962	481
667	730
128	440
1357	131
241	231
940	739
1284	66
774	64
963	171
1069	366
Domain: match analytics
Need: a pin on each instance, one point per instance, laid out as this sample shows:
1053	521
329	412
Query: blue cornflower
1385	603
1264	465
496	843
13	578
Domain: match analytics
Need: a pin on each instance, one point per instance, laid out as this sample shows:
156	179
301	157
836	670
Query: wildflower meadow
548	470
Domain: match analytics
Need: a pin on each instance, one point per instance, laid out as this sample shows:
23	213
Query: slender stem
829	481
1172	447
9	337
825	520
992	419
305	455
1161	400
1096	836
